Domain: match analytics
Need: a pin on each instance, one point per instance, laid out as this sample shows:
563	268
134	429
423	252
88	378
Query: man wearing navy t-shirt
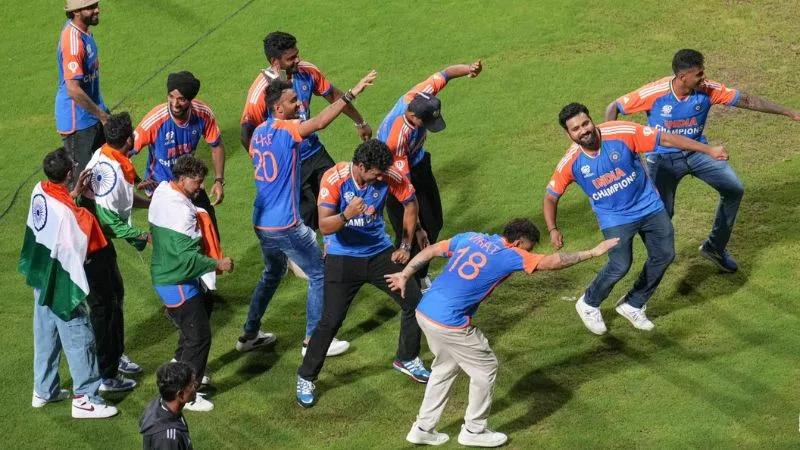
604	161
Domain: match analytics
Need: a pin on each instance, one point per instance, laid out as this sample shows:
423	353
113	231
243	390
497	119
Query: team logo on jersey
647	131
89	50
399	164
169	138
194	132
324	192
666	111
615	156
375	195
39	211
586	171
304	87
348	196
626	99
698	107
72	66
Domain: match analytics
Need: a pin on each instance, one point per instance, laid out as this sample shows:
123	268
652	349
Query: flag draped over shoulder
177	248
58	237
113	179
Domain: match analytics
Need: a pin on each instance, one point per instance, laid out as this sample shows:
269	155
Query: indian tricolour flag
177	239
58	237
113	179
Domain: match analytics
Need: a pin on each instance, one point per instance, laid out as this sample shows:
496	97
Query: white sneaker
261	340
635	315
83	408
418	436
297	271
199	404
487	438
38	402
117	384
337	348
591	317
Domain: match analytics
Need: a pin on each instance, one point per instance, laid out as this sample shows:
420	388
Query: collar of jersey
672	92
354	178
87	33
177	121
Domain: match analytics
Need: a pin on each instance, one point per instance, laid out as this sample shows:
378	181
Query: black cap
428	108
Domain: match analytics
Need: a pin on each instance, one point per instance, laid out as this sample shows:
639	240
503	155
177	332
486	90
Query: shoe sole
87	415
307	405
125	389
619	311
711	258
482	444
580	315
130	372
266	342
409	438
403	370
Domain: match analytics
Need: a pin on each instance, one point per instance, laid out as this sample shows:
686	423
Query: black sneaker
722	259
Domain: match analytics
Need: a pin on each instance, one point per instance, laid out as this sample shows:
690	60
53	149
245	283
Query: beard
589	140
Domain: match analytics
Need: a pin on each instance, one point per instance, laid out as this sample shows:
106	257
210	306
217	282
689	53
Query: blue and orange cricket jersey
77	60
403	138
168	138
273	150
684	116
614	180
306	80
364	235
478	263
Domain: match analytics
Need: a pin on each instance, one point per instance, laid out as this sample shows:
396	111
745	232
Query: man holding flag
60	237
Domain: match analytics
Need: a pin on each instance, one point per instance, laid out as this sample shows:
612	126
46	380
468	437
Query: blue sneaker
128	366
722	259
414	368
117	384
306	393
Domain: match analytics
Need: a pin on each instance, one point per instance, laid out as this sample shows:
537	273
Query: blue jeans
50	335
667	170
659	239
300	244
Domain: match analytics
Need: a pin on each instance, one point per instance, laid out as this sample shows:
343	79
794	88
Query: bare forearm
683	143
140	202
457	71
409	221
218	158
756	103
330	223
246	135
419	261
550	211
558	261
349	110
80	97
323	119
612	112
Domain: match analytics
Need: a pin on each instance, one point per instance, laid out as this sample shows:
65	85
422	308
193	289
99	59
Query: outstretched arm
717	152
397	281
558	261
756	103
327	115
464	70
362	127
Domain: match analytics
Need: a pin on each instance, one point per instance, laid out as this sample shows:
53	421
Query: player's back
478	263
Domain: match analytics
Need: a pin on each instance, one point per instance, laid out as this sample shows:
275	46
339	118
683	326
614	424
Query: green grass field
719	371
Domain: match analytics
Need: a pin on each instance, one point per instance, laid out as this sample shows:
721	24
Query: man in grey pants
478	263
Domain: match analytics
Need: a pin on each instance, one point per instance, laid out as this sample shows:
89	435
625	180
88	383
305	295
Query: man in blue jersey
604	161
478	263
358	251
276	215
79	108
679	104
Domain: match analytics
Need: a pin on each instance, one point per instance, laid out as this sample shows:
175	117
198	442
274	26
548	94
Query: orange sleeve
329	192
291	126
145	133
321	84
443	247
530	261
432	85
642	99
646	139
210	127
720	94
255	108
72	53
401	189
562	176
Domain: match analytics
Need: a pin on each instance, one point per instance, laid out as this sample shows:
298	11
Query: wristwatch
405	246
220	181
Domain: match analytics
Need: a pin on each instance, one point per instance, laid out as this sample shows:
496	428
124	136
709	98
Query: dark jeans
82	144
659	239
194	344
344	276
430	208
311	171
667	170
106	292
202	201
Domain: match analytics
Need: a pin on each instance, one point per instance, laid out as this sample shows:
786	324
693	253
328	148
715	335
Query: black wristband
348	97
341	214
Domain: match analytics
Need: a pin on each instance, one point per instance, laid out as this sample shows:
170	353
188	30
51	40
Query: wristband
361	124
220	180
551	229
405	246
344	218
348	97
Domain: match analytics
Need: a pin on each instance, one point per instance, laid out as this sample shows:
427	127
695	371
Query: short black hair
373	154
570	111
521	228
172	378
687	59
274	91
189	166
57	164
278	42
118	129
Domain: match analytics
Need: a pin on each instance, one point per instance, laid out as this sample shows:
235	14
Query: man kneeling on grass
478	263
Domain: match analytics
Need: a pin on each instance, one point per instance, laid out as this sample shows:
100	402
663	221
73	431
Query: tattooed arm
755	103
397	281
561	260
